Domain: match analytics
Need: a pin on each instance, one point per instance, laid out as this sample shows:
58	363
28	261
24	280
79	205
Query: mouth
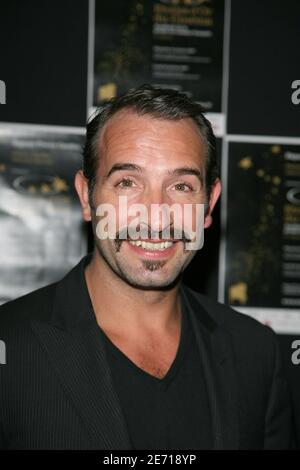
157	248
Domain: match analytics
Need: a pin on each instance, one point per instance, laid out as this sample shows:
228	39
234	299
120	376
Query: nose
157	204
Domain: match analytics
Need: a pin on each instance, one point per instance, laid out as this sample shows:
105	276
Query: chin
152	282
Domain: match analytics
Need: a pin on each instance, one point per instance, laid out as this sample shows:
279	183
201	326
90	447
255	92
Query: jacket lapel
74	346
219	374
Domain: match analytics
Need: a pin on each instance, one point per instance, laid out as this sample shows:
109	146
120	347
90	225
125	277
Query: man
120	354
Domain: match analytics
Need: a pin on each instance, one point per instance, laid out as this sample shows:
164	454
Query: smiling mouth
152	246
158	249
149	246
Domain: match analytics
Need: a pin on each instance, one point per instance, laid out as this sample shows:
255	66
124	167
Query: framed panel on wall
261	247
170	44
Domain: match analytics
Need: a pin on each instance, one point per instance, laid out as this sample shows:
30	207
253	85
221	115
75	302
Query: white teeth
151	246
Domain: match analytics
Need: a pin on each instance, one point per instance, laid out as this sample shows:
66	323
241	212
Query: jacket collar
72	305
217	357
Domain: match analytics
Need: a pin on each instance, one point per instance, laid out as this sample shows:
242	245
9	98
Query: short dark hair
156	102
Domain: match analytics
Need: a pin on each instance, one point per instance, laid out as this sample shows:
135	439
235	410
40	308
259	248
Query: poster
170	43
262	261
41	230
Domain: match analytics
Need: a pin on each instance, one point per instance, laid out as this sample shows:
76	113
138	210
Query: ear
214	196
81	185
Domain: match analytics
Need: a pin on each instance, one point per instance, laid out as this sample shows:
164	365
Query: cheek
193	217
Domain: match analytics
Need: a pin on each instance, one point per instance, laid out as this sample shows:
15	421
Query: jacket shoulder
35	305
236	323
253	344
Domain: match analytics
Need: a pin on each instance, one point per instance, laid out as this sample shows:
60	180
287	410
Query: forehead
137	134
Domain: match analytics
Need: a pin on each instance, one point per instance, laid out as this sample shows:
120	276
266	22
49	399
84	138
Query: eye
183	187
125	183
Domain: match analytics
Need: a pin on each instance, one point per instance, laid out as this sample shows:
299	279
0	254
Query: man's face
148	161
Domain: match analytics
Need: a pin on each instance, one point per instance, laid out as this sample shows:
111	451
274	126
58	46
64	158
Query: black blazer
56	389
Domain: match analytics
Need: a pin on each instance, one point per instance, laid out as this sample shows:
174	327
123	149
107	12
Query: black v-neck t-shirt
169	413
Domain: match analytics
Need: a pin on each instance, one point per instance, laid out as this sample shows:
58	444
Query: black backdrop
44	47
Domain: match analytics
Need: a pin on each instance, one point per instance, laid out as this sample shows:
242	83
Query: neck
118	306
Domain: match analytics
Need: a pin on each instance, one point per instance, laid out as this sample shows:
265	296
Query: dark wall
44	61
44	64
264	61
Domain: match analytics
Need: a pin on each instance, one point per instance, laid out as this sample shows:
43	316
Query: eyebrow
176	172
186	170
123	167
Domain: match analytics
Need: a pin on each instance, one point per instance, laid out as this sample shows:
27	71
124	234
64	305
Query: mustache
170	233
